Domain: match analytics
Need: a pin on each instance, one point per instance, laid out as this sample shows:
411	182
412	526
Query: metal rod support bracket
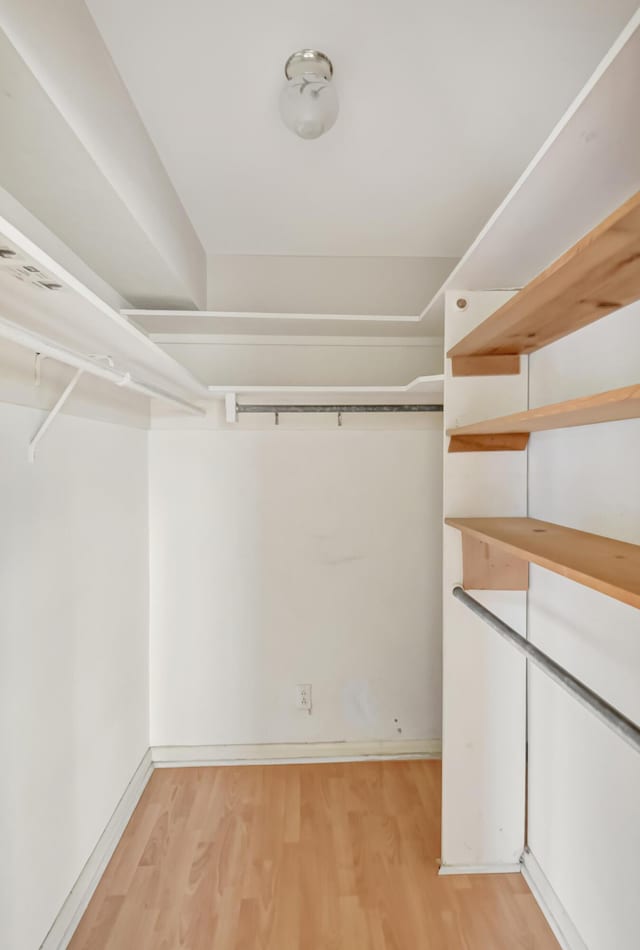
230	409
89	364
53	412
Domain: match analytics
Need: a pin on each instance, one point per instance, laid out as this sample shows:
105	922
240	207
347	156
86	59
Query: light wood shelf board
603	564
489	567
598	275
614	405
485	365
493	442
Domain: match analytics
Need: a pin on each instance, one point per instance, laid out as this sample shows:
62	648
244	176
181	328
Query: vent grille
23	269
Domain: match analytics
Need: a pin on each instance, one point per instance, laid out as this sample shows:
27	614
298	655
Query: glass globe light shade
308	101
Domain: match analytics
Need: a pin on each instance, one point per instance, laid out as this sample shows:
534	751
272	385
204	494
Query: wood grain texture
490	567
611	406
604	564
598	275
299	857
509	442
485	365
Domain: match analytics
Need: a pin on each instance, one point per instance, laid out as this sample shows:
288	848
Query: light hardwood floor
299	857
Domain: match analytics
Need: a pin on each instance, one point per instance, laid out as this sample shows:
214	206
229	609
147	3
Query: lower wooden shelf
496	552
511	433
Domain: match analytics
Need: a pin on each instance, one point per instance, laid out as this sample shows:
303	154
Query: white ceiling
442	105
76	155
377	286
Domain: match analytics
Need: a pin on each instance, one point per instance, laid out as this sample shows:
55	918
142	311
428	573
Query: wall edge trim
564	930
76	902
451	869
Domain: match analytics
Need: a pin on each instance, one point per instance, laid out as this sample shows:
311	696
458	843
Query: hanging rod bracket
91	365
230	407
37	368
53	412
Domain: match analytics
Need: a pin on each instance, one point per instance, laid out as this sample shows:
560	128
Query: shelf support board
499	365
494	442
489	567
606	565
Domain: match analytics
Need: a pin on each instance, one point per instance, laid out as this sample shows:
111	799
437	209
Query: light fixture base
308	61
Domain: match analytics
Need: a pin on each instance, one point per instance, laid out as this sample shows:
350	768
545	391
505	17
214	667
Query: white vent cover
23	268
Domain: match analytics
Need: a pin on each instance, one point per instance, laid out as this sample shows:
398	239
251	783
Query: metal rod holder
600	708
53	412
46	347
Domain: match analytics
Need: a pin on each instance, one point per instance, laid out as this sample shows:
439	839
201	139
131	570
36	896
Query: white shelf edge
252	339
254	315
412	387
175	372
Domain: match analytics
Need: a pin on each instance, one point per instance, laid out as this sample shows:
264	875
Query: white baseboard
291	752
76	903
561	924
446	869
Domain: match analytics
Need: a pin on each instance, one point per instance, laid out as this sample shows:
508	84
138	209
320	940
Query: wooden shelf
603	564
511	433
598	275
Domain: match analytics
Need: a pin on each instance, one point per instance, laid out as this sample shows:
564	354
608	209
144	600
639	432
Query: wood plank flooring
299	857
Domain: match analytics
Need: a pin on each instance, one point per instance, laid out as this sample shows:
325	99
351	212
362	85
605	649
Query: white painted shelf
421	386
72	316
167	323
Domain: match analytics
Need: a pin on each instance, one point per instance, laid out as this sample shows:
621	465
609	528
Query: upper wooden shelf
608	566
598	275
512	432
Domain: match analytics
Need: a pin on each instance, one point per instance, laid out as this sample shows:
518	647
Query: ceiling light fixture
308	102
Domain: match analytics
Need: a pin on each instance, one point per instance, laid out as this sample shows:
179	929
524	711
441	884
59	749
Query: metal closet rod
604	711
42	344
385	407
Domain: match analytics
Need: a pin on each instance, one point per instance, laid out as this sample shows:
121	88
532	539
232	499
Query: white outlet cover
303	696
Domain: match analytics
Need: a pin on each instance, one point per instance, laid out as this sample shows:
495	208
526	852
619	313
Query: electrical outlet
303	696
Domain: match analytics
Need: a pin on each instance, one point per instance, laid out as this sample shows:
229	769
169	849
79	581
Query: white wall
483	679
73	652
287	556
584	782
